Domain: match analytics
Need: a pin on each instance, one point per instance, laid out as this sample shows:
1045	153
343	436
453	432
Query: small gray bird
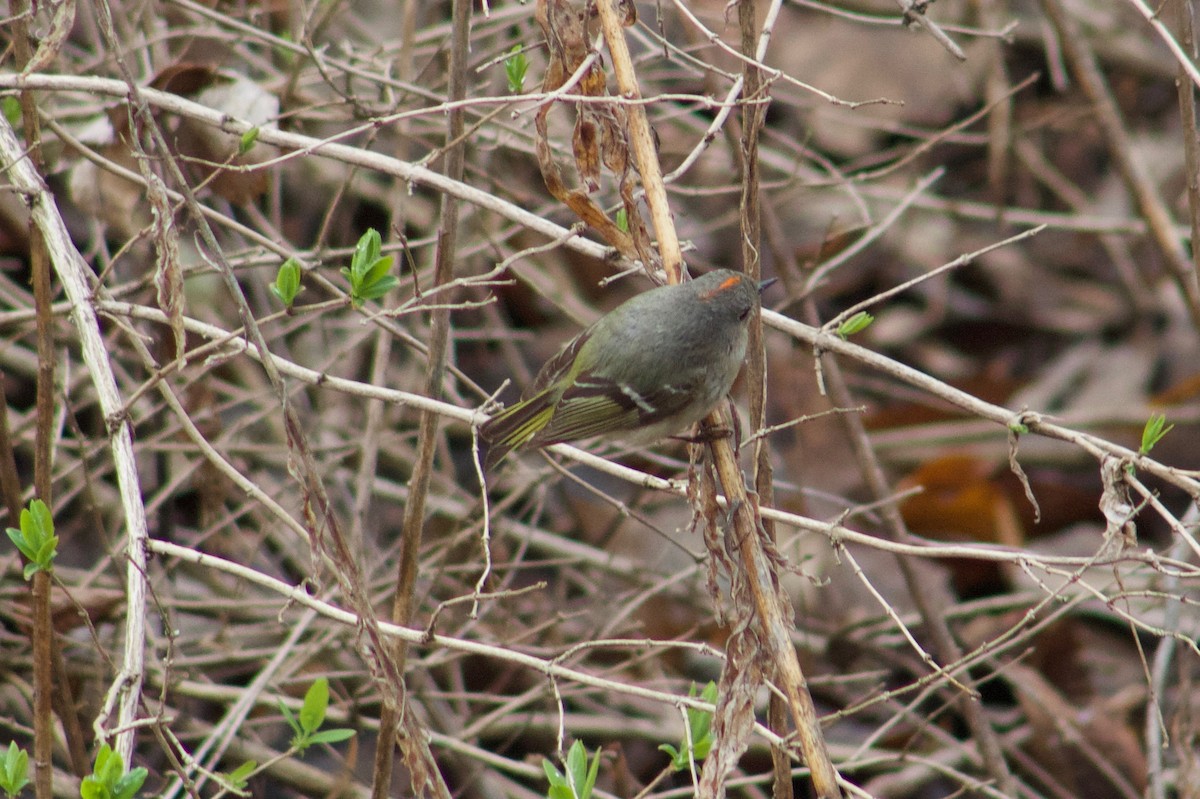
653	366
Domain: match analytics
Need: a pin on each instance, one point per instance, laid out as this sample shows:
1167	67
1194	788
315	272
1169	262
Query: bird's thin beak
763	286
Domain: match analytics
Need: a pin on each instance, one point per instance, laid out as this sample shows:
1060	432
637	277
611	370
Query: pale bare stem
485	534
844	553
691	746
775	428
641	143
960	261
1004	33
68	264
770	75
915	15
474	598
825	269
552	668
1177	527
561	737
634	643
575	230
1155	725
1177	51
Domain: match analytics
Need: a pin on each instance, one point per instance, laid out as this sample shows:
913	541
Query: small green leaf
699	732
316	702
559	787
42	518
515	67
577	763
1154	431
622	219
14	774
368	272
287	282
36	539
378	270
366	252
128	785
109	780
377	289
593	772
290	718
109	765
248	140
701	723
855	324
331	736
240	776
12	110
1020	428
18	540
577	780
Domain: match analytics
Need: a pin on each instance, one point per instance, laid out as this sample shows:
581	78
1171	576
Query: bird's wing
596	405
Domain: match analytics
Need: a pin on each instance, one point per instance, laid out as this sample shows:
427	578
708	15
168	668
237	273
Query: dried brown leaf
598	137
733	720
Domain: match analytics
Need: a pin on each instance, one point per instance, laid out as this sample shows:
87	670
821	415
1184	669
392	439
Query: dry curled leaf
599	136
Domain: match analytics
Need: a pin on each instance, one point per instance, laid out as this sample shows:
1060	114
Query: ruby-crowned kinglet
653	366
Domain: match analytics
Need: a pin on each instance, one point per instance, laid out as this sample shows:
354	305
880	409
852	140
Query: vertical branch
753	114
1187	112
644	151
744	524
999	99
46	655
767	612
72	274
414	511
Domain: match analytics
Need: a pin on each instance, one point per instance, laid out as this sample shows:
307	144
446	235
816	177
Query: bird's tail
515	427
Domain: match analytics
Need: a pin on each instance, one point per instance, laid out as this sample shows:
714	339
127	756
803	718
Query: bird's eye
742	316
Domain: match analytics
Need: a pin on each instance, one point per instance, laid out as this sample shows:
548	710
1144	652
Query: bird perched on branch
652	367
